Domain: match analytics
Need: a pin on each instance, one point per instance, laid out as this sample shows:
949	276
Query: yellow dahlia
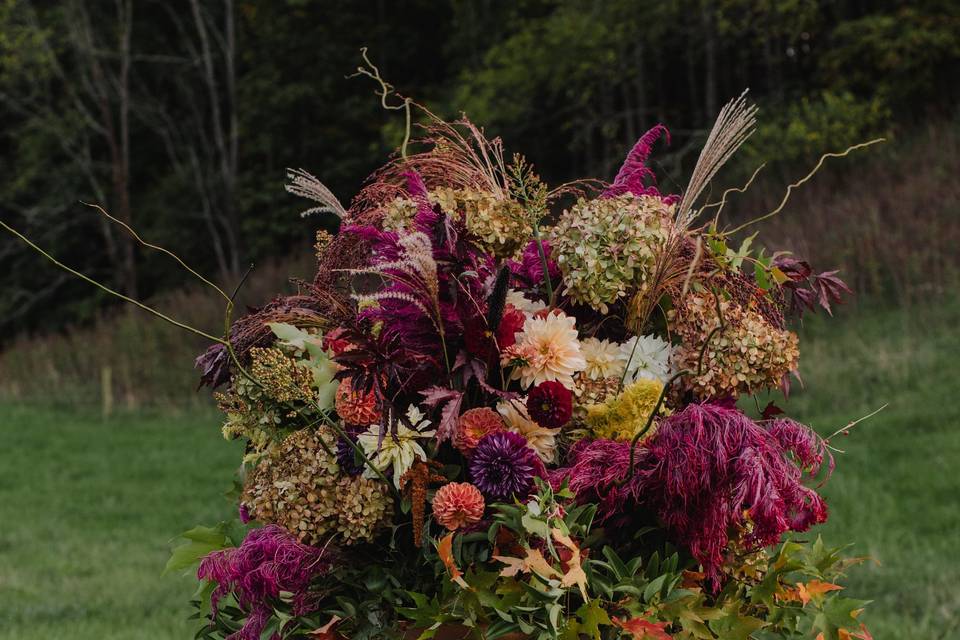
547	349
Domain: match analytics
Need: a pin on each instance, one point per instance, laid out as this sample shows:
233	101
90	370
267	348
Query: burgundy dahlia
550	404
503	466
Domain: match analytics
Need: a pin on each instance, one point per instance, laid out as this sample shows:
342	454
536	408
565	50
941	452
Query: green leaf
592	616
200	542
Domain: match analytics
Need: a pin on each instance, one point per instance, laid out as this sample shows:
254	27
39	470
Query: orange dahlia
473	425
457	505
356	407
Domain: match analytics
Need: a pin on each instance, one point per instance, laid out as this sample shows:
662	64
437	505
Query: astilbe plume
268	562
706	467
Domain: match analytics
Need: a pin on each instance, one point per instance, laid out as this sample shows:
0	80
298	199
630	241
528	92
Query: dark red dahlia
550	404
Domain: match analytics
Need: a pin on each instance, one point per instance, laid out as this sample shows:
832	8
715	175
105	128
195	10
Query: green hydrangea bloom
607	248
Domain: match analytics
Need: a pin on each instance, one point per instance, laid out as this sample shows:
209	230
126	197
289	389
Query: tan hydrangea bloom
607	247
300	488
749	355
502	226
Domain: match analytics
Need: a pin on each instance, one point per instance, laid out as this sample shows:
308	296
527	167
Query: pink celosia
630	178
708	468
269	561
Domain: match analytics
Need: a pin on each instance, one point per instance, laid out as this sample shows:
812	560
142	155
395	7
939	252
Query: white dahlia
540	439
646	357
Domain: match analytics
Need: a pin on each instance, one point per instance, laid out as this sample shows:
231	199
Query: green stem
543	263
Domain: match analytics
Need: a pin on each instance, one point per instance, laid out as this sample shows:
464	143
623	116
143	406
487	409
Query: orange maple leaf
814	589
575	574
534	561
445	551
641	629
862	634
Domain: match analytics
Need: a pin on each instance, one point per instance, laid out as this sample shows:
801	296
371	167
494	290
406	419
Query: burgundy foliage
706	466
809	290
269	561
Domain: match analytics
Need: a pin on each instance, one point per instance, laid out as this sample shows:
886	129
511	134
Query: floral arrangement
506	410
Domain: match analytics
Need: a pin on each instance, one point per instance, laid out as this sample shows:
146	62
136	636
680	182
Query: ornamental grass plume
270	561
709	471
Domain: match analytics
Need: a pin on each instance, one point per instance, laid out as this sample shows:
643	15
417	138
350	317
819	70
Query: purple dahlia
503	466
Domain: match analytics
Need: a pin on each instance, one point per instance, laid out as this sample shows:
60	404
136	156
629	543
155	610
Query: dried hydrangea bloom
301	489
501	226
607	248
621	417
588	391
748	355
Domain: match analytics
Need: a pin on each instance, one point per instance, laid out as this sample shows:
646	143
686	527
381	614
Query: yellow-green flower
620	418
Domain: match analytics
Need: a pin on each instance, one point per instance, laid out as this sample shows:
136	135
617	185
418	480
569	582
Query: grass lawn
87	507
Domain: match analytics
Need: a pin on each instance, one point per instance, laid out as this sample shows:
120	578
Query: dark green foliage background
570	83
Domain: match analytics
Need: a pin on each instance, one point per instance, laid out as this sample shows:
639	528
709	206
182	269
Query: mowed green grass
87	511
87	507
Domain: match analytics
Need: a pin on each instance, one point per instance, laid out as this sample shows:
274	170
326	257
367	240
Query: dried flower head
748	355
457	505
301	488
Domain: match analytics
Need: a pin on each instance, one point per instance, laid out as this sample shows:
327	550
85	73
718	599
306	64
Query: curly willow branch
386	90
801	181
110	291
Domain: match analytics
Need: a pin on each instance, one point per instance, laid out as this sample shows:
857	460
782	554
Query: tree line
180	117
